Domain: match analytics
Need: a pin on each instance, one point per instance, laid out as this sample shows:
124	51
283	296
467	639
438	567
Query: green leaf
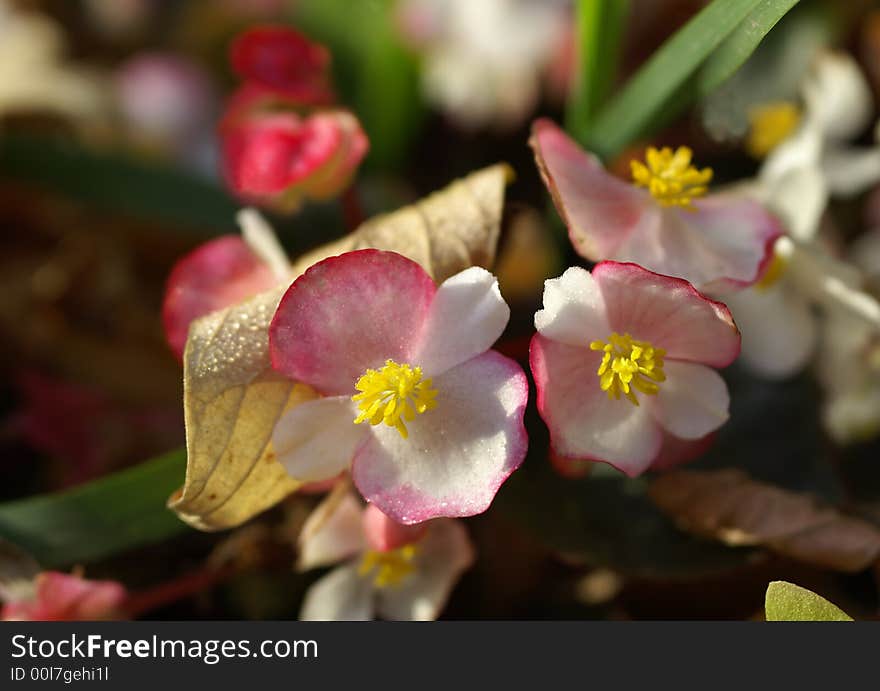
789	602
599	29
116	183
106	516
663	81
741	44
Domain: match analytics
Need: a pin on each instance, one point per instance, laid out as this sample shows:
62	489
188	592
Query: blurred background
109	173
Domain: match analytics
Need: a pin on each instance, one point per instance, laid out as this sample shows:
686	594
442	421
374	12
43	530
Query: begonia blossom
716	242
807	155
412	398
66	597
388	570
623	364
483	62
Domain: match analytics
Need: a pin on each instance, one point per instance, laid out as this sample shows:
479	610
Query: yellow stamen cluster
388	568
769	125
629	366
670	177
393	394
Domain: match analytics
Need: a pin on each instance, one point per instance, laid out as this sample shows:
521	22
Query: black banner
134	655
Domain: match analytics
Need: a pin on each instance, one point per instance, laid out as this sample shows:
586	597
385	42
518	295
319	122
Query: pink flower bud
278	159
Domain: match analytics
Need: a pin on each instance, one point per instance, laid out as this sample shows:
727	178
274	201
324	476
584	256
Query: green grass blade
600	26
643	98
737	48
98	519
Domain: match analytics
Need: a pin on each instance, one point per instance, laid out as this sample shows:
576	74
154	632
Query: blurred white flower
777	316
33	75
849	370
483	61
815	162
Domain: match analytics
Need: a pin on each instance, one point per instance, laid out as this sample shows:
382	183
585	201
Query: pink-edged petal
601	211
317	439
723	243
384	533
465	319
693	401
574	309
347	314
738	234
341	595
778	329
669	313
583	422
332	532
458	454
676	452
443	555
215	275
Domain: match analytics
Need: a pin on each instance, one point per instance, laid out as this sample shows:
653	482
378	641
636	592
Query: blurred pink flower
65	597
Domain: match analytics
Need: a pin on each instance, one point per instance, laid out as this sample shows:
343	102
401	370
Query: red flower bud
278	159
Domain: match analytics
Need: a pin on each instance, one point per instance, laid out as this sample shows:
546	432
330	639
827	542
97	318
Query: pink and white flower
58	596
717	242
220	273
389	570
383	345
623	362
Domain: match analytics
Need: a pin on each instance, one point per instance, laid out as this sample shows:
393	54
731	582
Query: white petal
778	330
801	150
465	318
458	454
583	422
341	595
317	439
333	531
838	96
693	401
444	554
851	171
799	197
574	309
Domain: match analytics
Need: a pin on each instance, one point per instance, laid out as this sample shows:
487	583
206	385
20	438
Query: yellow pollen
393	394
389	569
628	366
774	272
769	125
670	177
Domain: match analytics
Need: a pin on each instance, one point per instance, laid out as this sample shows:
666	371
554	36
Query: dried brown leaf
729	506
232	397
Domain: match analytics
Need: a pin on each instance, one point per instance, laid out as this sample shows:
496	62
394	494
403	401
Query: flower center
628	366
388	568
769	124
393	394
670	177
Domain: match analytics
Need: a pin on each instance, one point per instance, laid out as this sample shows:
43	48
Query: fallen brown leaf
729	506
